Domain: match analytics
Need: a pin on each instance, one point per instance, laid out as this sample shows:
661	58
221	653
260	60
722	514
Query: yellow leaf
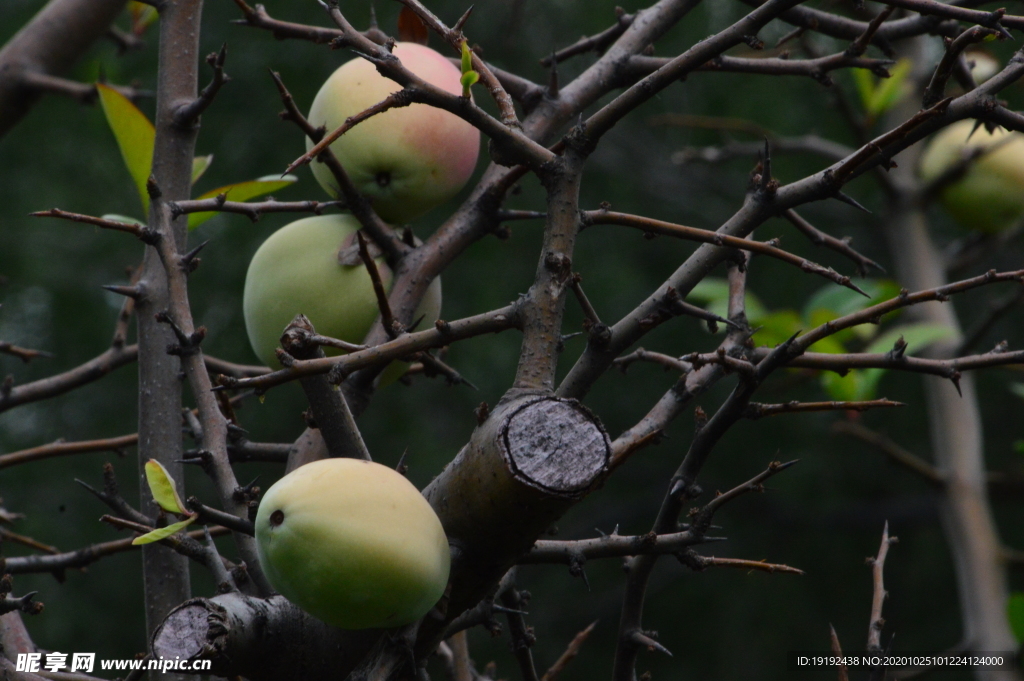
135	136
161	484
242	191
164	532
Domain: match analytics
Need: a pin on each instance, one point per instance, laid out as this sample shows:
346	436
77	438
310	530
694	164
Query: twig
187	114
58	384
489	322
650	225
253	210
879	593
842	246
61	448
892	450
144	233
837	650
697	562
594	43
571	651
24	354
756	410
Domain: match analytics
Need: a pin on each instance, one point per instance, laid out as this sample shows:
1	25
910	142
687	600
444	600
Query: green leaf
469	78
242	191
114	217
1017	389
714	295
865	83
161	484
164	532
199	166
918	337
1015	610
135	136
889	91
467	57
777	327
860	384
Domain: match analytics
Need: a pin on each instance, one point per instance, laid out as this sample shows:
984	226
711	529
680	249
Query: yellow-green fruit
409	159
296	271
352	543
990	195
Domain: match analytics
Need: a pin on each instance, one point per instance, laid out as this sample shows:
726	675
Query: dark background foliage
823	516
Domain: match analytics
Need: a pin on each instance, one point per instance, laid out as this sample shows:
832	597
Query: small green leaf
917	336
164	532
469	78
714	295
889	91
467	57
1015	611
199	166
161	484
114	217
135	136
777	327
865	85
242	191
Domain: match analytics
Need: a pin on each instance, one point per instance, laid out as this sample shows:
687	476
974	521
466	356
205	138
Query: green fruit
352	543
406	160
990	195
296	271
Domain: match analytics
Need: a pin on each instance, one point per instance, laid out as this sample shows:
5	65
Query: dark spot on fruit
276	518
383	178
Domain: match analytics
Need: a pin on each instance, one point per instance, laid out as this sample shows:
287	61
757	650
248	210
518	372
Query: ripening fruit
296	271
406	160
990	195
352	543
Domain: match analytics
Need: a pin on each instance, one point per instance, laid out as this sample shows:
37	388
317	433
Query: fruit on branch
352	543
406	160
296	271
989	196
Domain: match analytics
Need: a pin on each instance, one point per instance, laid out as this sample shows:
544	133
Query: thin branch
571	651
187	115
610	546
24	354
756	410
879	593
44	388
489	322
895	452
253	210
841	246
817	68
62	448
595	43
650	225
144	233
699	563
954	49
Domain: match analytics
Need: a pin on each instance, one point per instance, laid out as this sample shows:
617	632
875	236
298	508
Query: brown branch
24	354
220	366
259	18
837	650
951	57
85	93
454	37
699	563
756	410
817	68
143	233
650	225
253	210
611	546
44	388
896	453
571	651
383	235
841	246
595	43
82	557
36	545
61	448
879	593
489	322
188	113
49	44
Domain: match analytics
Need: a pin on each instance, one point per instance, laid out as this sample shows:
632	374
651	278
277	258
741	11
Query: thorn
642	639
955	377
129	291
401	467
463	19
189	262
845	198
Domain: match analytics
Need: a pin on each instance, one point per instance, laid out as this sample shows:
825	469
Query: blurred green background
823	516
